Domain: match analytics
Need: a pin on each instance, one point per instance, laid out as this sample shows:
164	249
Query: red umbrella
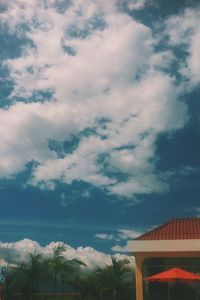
173	274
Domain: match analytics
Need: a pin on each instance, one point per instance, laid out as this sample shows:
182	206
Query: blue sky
99	110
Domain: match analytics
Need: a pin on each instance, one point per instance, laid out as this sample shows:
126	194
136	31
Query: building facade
173	244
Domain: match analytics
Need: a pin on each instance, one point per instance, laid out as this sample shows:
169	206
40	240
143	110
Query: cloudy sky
99	119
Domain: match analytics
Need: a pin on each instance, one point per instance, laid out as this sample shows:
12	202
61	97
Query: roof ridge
183	228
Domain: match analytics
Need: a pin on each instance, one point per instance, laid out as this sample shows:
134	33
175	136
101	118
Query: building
173	244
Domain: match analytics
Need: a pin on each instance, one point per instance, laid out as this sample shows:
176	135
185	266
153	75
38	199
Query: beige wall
163	246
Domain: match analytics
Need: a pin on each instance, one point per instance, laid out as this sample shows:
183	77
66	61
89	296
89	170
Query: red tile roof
177	229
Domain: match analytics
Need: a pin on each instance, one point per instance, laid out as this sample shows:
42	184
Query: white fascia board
163	245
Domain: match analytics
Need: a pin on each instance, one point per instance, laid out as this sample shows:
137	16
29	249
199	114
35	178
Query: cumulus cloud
183	31
109	89
14	253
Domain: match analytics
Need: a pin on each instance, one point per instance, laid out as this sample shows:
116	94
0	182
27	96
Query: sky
99	120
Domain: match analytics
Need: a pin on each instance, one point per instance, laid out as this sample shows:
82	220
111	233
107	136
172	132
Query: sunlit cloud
91	94
17	252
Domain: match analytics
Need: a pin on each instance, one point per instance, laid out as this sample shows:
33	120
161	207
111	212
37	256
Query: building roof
177	229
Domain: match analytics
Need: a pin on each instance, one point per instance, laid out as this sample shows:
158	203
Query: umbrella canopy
173	274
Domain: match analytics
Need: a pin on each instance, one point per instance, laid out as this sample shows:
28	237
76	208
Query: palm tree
55	263
28	275
60	266
69	271
114	280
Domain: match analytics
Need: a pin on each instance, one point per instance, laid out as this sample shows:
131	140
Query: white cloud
118	248
136	4
114	84
19	251
124	235
184	31
63	200
119	235
129	234
104	236
131	5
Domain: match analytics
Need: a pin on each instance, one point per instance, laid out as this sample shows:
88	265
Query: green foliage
26	277
59	267
113	282
87	285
